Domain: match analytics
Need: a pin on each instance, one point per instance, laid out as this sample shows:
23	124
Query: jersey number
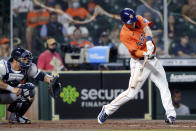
141	38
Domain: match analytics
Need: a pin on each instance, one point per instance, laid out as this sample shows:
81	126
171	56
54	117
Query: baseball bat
138	77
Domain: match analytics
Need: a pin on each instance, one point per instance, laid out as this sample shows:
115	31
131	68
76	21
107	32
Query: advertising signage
84	94
181	76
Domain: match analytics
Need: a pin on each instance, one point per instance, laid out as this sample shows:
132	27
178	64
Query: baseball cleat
14	119
102	117
170	120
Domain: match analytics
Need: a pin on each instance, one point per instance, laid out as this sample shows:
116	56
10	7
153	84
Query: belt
152	57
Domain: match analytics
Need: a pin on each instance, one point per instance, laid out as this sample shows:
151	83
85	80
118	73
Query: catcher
15	88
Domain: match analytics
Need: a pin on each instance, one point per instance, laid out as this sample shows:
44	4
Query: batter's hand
17	91
150	47
147	54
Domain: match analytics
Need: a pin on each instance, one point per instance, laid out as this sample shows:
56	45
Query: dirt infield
84	125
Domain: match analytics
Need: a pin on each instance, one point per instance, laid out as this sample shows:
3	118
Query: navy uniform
19	104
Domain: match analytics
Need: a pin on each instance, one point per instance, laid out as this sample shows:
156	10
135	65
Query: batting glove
150	48
147	54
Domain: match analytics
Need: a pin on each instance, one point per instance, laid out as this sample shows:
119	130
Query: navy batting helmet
22	53
128	16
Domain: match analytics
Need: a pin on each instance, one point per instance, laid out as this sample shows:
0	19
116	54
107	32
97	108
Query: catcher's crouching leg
22	104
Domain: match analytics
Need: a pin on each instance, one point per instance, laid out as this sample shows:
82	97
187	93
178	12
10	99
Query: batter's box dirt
84	125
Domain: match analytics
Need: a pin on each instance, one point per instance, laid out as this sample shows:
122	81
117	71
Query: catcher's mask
24	57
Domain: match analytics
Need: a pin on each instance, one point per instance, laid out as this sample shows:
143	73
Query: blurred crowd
50	35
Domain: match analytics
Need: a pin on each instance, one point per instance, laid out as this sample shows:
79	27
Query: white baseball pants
154	70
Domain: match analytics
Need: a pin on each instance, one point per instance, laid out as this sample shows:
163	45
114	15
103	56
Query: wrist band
10	88
148	38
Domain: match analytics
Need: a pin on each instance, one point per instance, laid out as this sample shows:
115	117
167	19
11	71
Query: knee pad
20	106
28	90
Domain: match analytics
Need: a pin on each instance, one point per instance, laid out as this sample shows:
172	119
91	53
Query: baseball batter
137	37
14	86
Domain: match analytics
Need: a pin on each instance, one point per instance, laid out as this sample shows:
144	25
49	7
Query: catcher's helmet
128	16
22	53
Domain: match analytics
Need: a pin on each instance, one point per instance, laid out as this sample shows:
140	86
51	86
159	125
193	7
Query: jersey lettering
14	76
140	43
141	38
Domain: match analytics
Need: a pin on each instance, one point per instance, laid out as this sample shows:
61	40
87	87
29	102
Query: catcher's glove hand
54	87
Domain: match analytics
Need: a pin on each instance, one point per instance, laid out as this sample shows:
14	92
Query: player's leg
18	109
158	76
7	98
18	104
22	104
126	95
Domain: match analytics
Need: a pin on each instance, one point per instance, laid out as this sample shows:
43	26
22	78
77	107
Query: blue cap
128	16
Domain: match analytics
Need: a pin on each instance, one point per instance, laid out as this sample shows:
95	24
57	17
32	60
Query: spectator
36	17
142	9
122	50
180	108
77	10
16	42
53	29
183	49
156	25
84	30
115	35
61	16
78	41
175	5
22	7
171	26
91	7
20	10
50	59
194	45
63	3
190	9
104	40
50	3
4	48
160	46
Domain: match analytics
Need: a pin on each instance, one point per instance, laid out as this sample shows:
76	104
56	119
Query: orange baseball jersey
134	39
36	15
81	12
81	44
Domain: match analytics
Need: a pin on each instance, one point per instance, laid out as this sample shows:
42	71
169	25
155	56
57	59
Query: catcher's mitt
54	87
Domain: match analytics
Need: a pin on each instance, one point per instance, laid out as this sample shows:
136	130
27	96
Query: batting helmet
128	16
